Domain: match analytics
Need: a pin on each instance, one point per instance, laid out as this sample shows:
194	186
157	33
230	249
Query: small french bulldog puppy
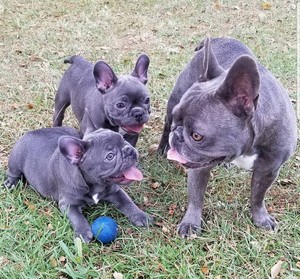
226	107
77	172
121	103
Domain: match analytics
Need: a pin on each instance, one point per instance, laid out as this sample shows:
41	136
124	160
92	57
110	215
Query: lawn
36	241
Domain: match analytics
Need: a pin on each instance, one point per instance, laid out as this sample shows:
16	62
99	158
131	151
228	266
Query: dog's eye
147	100
196	136
120	105
110	156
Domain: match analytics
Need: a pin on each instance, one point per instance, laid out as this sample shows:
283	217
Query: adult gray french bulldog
226	107
77	172
121	103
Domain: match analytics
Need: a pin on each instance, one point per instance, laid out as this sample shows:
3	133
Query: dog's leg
125	204
260	183
197	183
78	221
164	141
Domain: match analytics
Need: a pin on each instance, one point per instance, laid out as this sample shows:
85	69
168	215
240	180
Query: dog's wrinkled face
102	155
211	121
126	99
204	132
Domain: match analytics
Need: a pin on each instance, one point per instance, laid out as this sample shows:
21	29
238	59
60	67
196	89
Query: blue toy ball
105	229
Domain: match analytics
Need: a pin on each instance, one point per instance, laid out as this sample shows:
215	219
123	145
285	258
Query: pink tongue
135	128
133	174
174	155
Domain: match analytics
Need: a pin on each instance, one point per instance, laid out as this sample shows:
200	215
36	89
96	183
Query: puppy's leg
62	101
132	139
261	181
78	221
197	183
125	204
14	174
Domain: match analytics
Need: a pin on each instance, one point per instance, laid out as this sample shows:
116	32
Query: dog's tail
72	59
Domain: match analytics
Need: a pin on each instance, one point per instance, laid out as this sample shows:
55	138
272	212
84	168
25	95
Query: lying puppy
121	103
226	107
75	172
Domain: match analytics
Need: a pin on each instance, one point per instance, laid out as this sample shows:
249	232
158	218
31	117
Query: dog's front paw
141	219
187	229
86	235
263	220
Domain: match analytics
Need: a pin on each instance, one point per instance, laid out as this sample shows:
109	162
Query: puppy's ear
72	149
104	76
239	91
211	67
141	68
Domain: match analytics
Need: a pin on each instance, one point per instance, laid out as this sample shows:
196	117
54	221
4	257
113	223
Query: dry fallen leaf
118	275
29	205
266	6
152	149
155	185
30	106
275	270
53	262
205	269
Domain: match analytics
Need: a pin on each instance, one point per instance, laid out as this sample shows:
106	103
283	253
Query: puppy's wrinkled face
109	157
128	104
204	131
126	99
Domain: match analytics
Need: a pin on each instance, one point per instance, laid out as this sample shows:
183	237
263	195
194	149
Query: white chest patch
244	161
122	132
96	198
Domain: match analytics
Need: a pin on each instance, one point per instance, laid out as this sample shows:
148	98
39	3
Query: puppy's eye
196	136
147	100
120	105
110	156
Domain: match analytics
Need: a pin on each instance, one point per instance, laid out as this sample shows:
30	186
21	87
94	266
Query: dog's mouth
175	156
127	176
133	129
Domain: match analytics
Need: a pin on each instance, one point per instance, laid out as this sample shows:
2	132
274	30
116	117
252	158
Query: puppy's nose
179	133
138	114
129	151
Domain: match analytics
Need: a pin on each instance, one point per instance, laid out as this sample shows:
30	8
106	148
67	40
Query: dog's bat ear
239	91
210	66
72	149
141	68
104	76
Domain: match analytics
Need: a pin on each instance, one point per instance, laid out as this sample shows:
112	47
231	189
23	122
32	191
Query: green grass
36	241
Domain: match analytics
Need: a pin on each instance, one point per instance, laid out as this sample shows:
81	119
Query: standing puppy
121	103
77	172
226	107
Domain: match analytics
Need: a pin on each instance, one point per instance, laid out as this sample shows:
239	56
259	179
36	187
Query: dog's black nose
129	151
138	114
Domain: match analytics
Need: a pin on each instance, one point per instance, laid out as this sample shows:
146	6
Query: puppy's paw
141	219
86	235
187	229
8	184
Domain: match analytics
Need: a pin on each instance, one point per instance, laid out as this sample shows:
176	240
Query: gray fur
240	111
76	172
97	89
